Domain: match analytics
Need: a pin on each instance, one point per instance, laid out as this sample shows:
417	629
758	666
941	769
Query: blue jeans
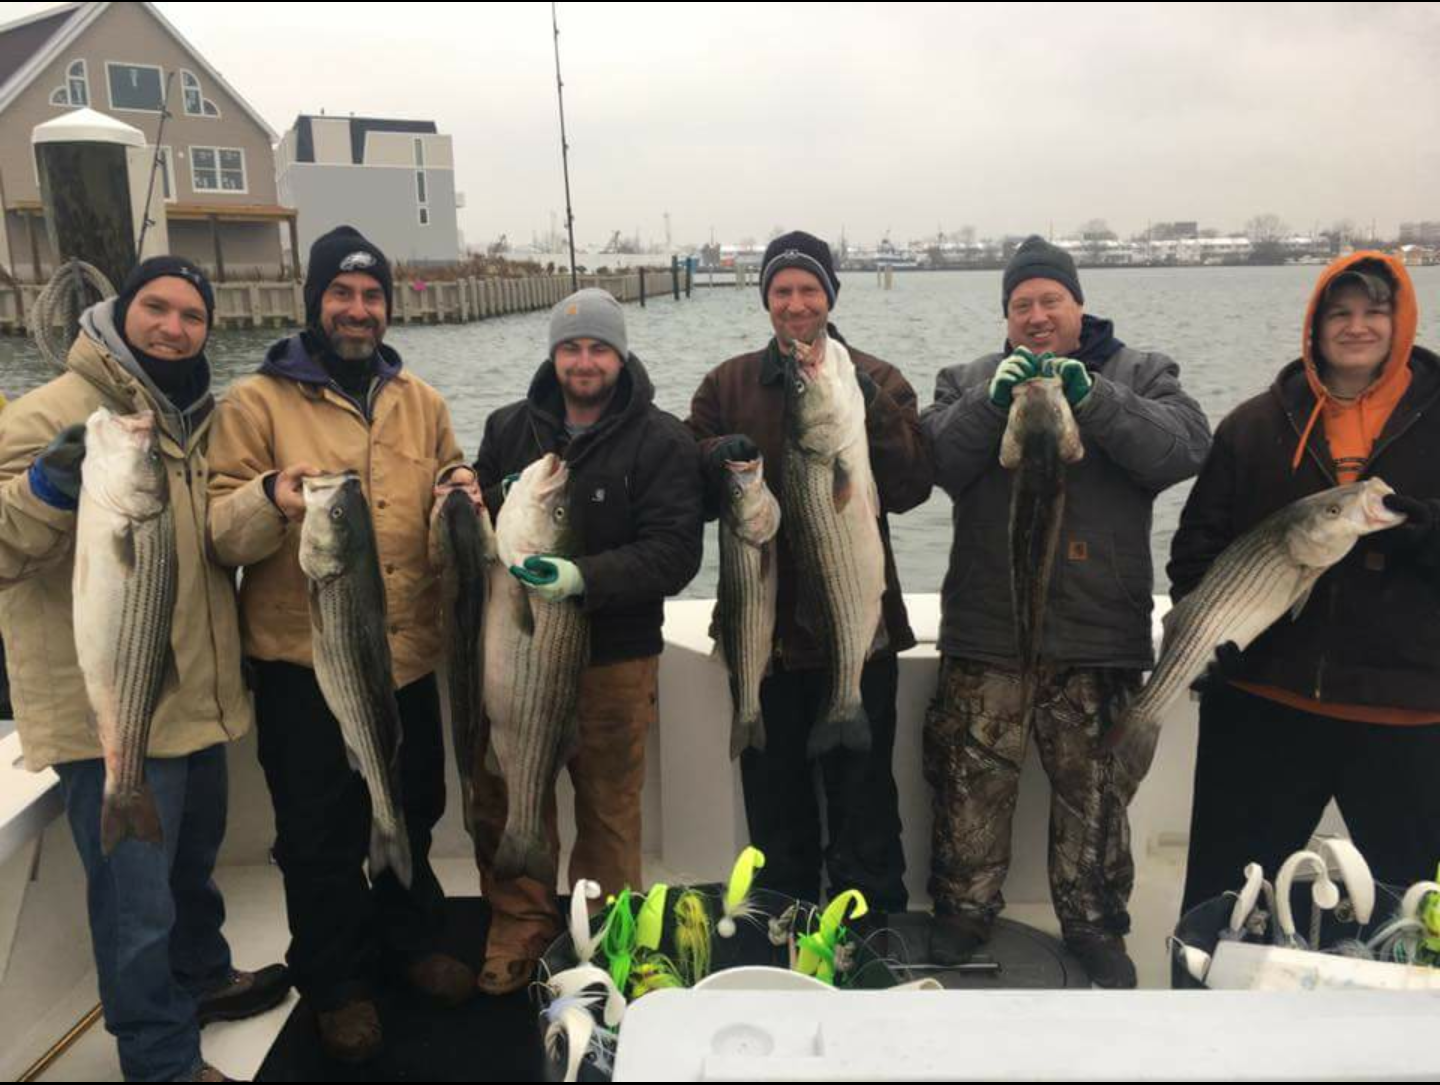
155	913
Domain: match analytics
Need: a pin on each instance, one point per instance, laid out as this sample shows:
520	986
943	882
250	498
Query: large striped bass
745	611
535	652
124	591
466	546
352	655
1256	580
1040	440
832	521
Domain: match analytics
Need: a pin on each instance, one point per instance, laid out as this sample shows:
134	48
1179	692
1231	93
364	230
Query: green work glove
1074	378
550	577
1016	369
506	483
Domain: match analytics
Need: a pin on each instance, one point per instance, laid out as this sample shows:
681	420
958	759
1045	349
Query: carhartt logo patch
357	261
1078	551
573	310
598	496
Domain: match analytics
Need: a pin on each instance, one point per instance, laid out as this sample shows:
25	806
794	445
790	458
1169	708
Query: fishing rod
146	221
564	150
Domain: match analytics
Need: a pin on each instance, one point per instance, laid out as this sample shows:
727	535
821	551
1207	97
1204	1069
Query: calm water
1229	328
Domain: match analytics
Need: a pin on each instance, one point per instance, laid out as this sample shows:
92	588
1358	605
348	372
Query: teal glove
1074	378
506	483
1021	366
550	577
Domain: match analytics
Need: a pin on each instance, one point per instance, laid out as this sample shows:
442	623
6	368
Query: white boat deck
694	827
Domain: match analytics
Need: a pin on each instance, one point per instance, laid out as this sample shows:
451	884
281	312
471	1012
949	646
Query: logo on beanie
574	310
357	261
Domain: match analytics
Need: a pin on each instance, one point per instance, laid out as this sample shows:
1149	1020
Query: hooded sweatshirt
1351	429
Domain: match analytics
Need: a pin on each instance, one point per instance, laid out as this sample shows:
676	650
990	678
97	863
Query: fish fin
390	852
492	760
129	816
524	614
317	620
170	675
123	542
842	487
1302	599
717	623
881	640
527	855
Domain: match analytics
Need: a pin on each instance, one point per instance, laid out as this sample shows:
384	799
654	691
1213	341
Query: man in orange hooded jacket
1344	701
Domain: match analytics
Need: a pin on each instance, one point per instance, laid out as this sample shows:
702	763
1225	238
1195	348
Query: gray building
392	180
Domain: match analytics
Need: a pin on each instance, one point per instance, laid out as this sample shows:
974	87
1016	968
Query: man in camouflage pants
1142	434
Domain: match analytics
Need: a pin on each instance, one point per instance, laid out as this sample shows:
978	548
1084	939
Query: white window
138	88
193	98
218	169
78	83
76	91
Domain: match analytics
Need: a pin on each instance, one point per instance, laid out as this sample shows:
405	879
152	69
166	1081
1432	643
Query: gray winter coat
1142	434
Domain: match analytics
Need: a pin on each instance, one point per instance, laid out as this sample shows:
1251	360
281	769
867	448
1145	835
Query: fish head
750	510
336	531
823	404
1040	414
123	469
1324	527
536	516
463	526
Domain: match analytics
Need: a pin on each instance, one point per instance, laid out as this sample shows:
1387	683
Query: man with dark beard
335	398
635	499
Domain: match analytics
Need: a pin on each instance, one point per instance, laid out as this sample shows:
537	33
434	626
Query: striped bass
1269	570
1040	440
831	511
535	653
124	592
466	546
745	612
352	655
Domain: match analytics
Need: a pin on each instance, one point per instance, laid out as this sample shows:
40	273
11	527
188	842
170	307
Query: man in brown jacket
739	413
335	398
156	915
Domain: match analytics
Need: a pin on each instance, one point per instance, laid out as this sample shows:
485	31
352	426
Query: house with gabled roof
216	156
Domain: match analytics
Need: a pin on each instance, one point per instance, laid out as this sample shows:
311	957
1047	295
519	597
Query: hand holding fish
289	490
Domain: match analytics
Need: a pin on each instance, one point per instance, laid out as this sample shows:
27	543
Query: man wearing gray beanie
1142	434
635	502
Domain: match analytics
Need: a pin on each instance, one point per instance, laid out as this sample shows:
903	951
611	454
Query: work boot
206	1073
351	1034
955	938
1104	958
442	978
243	995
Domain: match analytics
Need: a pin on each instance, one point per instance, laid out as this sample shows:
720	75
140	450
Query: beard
352	347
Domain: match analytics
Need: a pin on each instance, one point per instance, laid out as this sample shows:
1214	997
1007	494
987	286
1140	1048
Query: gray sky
899	117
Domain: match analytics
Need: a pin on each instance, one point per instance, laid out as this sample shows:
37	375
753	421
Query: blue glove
1074	378
550	577
1016	369
55	474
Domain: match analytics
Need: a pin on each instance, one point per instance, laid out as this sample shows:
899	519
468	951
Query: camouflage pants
974	745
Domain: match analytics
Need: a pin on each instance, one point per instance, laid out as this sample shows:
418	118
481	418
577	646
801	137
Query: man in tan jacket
155	914
335	398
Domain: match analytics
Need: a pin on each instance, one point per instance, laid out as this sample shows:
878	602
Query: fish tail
525	854
746	734
129	815
390	850
844	726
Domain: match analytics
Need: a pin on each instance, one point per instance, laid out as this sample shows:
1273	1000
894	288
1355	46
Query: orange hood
1361	419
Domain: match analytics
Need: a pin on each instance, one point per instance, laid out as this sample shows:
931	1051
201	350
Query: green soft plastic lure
619	941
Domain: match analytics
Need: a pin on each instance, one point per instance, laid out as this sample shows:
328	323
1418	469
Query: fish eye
337	513
560	513
800	388
1333	510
